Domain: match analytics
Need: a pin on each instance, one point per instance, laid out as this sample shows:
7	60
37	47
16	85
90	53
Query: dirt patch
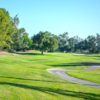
3	53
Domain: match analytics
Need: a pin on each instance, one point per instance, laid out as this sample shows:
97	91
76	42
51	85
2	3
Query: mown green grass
25	77
93	75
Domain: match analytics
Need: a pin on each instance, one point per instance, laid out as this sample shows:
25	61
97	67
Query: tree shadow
68	65
77	64
88	55
90	63
97	56
33	79
24	53
53	91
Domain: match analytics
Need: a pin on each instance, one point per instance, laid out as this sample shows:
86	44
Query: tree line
15	39
12	38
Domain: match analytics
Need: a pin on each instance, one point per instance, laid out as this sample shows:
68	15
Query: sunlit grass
25	77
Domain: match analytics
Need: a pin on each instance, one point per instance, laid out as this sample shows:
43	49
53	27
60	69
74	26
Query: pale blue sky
78	17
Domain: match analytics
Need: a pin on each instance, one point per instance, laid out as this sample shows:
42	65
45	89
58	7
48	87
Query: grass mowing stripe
26	77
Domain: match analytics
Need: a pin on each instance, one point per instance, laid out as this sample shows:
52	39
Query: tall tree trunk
42	52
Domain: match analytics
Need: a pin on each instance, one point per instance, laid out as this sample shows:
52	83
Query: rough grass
25	77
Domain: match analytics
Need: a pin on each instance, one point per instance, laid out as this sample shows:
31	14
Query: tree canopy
45	41
7	28
16	39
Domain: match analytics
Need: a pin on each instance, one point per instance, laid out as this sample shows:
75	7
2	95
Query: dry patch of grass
3	52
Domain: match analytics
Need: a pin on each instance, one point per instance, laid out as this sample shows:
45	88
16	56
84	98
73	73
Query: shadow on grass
77	64
86	96
89	55
91	63
33	79
24	53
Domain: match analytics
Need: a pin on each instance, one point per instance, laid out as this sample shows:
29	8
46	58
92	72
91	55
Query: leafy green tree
63	42
41	41
16	38
21	41
91	44
82	46
72	43
98	43
53	43
25	42
16	21
45	41
7	28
